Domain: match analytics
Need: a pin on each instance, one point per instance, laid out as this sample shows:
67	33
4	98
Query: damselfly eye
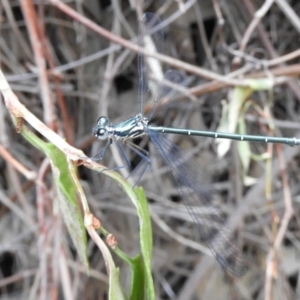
101	134
102	121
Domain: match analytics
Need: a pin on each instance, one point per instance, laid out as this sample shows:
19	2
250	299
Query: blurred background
254	185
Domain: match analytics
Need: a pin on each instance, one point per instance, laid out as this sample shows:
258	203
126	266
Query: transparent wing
171	87
151	38
212	228
151	76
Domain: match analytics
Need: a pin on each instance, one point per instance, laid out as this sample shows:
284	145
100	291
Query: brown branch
269	46
127	44
34	32
272	268
30	175
213	86
18	110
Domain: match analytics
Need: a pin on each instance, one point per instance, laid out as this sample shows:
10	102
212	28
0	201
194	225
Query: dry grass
67	71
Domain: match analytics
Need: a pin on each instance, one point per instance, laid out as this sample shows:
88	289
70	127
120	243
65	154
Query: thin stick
125	43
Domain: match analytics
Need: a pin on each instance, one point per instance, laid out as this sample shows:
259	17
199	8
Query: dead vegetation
68	71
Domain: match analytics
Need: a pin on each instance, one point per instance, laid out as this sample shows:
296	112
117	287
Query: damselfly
185	172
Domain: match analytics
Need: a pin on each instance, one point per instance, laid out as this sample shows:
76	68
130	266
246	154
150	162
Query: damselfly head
100	130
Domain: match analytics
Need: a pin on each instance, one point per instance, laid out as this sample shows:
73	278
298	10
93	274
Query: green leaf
138	278
232	110
115	291
245	154
262	156
67	187
145	239
260	84
66	192
230	116
68	200
244	147
140	267
137	268
142	282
